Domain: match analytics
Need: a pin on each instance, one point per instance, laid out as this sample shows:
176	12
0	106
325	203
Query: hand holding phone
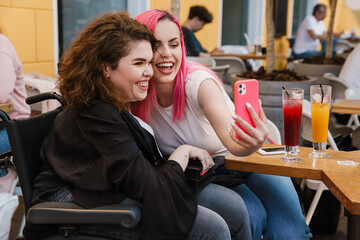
246	91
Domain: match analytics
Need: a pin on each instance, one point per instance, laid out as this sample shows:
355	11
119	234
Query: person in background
350	72
187	104
97	153
311	33
12	89
198	17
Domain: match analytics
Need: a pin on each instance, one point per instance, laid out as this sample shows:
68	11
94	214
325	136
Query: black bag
196	181
228	178
230	181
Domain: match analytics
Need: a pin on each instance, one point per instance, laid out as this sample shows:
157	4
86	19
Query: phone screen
274	149
271	150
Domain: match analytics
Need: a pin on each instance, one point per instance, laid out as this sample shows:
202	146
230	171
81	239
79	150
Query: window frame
135	7
254	22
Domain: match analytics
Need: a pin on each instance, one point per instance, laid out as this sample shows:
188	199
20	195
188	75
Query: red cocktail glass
292	99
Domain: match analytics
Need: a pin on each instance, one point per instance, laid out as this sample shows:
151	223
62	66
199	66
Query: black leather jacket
104	156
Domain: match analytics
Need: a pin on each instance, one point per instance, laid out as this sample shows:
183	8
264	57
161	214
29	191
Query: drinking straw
322	93
247	38
286	91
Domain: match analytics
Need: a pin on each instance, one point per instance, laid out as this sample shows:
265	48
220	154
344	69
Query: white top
194	129
12	85
144	124
350	72
303	41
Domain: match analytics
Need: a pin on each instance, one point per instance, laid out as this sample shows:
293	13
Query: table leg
353	226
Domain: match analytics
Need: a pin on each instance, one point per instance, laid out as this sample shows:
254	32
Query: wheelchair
26	137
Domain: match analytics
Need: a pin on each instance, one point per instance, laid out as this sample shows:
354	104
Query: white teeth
165	64
143	84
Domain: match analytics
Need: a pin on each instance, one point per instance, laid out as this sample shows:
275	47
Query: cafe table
247	56
6	107
340	173
346	106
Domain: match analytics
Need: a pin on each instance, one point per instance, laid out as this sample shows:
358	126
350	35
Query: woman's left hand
256	136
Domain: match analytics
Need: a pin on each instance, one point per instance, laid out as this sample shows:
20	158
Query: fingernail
229	129
202	174
234	116
260	103
232	124
248	105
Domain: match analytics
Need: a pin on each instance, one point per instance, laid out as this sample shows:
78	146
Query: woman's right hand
255	137
183	153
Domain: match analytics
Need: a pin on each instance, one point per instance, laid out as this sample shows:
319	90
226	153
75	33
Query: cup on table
320	98
251	48
292	99
258	50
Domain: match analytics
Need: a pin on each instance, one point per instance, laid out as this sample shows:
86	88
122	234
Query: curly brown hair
82	79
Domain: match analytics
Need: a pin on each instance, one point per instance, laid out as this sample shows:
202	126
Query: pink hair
150	18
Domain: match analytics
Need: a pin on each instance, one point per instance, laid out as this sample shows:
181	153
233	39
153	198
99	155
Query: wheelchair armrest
126	216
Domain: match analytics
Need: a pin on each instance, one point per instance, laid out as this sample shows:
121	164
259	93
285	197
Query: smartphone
271	150
246	91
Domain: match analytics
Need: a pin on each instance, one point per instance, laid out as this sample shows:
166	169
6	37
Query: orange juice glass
320	96
320	121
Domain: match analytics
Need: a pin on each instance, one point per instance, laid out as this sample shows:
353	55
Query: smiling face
133	72
167	58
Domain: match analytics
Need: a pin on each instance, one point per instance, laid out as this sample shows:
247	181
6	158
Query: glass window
301	10
298	15
234	22
239	17
73	15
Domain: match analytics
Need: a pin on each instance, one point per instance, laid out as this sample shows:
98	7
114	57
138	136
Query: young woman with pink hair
187	104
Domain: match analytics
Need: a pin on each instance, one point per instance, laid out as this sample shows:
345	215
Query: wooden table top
348	106
246	56
342	180
6	107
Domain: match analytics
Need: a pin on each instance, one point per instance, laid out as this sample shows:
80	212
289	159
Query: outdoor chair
338	86
274	133
26	137
353	93
206	61
342	45
221	71
237	66
340	90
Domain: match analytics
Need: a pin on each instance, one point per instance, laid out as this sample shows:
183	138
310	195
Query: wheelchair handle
4	116
43	96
